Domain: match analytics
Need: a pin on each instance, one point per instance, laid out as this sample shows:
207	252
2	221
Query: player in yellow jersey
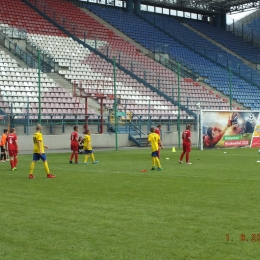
38	153
155	141
87	147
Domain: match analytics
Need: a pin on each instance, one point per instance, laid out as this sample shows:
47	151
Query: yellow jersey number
35	140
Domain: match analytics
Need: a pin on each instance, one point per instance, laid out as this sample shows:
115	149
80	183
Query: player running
12	148
186	145
87	146
155	141
3	146
74	144
38	153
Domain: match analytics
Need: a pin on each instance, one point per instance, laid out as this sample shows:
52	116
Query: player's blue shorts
88	151
155	154
37	157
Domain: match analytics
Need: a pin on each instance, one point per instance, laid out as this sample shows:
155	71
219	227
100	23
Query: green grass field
112	210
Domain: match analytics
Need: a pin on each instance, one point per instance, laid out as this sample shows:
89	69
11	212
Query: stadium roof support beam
244	7
208	7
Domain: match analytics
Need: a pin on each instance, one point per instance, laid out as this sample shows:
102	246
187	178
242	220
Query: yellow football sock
92	157
153	161
157	162
46	167
86	158
32	167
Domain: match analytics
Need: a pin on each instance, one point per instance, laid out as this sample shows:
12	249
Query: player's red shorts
12	153
186	147
74	147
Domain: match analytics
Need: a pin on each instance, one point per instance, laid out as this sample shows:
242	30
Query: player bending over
38	153
155	141
88	148
12	148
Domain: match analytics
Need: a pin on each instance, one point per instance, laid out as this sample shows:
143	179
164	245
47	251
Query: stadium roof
206	6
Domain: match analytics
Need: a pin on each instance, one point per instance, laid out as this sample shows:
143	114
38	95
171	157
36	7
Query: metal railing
146	73
26	57
14	33
69	25
47	60
29	58
219	58
103	47
146	76
172	64
51	120
247	18
247	36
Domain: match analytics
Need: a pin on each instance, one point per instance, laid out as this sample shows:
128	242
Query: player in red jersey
74	144
186	145
12	148
158	131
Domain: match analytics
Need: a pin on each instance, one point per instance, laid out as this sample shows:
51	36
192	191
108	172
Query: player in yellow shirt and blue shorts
155	141
38	153
87	147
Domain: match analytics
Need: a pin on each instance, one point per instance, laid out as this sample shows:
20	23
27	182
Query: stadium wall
59	141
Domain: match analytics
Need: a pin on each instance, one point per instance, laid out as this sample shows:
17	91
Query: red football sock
12	163
182	155
15	161
71	157
187	157
76	157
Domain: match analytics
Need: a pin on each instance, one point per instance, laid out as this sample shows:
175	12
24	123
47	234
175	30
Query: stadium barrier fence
138	125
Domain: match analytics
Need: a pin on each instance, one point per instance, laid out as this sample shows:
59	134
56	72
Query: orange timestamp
244	238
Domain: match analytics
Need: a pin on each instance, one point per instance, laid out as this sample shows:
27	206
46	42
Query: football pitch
113	210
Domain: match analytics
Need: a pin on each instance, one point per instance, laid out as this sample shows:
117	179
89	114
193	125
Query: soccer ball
251	118
258	151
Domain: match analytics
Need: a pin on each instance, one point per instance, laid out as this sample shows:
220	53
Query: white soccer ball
258	151
251	118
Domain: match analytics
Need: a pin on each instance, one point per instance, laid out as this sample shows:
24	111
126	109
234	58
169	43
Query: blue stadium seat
154	39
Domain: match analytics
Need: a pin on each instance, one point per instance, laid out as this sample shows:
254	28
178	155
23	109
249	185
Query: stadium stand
17	14
128	54
20	86
227	39
215	53
243	29
217	77
253	25
84	66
